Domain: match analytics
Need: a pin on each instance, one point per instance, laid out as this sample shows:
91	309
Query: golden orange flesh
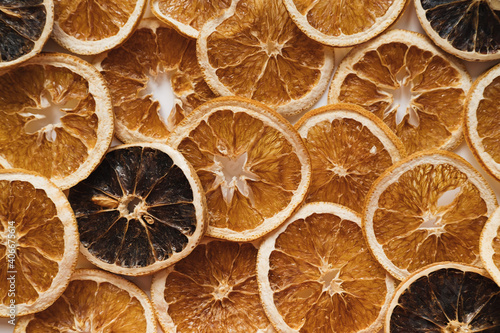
215	289
437	100
28	94
323	275
236	144
92	19
31	218
496	249
89	306
432	213
488	122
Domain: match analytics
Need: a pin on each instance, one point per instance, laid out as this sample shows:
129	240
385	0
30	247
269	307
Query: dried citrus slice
188	19
141	210
349	147
316	271
253	165
406	66
25	26
38	243
138	74
482	124
489	246
92	27
95	301
445	297
214	289
339	23
469	29
56	118
254	50
429	207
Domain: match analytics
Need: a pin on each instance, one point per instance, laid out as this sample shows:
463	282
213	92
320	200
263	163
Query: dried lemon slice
94	301
253	165
349	147
316	271
56	118
214	289
138	74
429	207
405	65
92	27
38	243
482	124
254	50
141	210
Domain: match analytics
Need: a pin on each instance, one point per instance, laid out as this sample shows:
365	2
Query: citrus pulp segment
56	117
141	210
316	271
38	242
253	165
92	27
254	50
469	29
482	124
214	289
188	19
429	207
153	55
339	23
94	301
489	246
407	66
349	148
445	297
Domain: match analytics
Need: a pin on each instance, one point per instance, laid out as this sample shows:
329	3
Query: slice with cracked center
56	118
431	86
94	301
138	74
254	50
489	246
141	210
349	147
38	242
429	207
316	271
253	165
214	289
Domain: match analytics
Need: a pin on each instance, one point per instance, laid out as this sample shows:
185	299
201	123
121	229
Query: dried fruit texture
489	246
469	29
154	53
399	63
317	271
254	50
445	298
428	208
213	289
139	211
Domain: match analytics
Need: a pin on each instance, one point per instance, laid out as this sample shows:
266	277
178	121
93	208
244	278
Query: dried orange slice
445	297
214	289
339	23
429	207
56	118
188	19
349	147
489	246
141	210
95	301
25	26
469	29
404	65
139	74
482	124
316	271
38	243
254	50
92	27
253	165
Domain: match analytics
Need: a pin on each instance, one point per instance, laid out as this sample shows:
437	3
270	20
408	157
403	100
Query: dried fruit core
331	281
